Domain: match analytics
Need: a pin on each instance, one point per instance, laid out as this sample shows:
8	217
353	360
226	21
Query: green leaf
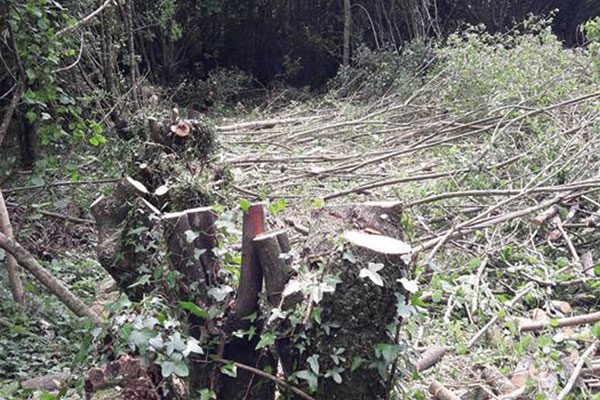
266	339
142	280
207	394
229	369
356	363
313	362
277	207
316	314
310	378
596	330
245	205
194	309
192	347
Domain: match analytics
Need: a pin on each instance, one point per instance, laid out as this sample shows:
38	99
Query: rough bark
184	258
117	217
347	31
243	350
274	268
12	269
359	311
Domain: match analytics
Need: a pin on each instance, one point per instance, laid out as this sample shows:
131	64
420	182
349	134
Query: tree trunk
347	31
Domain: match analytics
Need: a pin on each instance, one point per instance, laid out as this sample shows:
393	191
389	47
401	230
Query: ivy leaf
179	368
313	361
192	347
229	369
372	272
190	236
219	293
410	286
266	339
194	309
167	368
245	205
157	342
310	378
175	344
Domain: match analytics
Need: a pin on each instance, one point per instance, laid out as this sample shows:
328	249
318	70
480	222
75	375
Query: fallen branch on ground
26	260
576	372
585	319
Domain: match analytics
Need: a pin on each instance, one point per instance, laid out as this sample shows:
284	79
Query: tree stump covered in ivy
325	318
356	247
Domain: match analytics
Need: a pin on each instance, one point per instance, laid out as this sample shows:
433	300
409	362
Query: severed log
191	237
175	134
202	222
250	275
359	309
499	383
430	357
441	393
241	349
183	256
276	270
273	254
585	319
125	378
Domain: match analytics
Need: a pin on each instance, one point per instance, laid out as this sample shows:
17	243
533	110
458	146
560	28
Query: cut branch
26	260
12	269
585	319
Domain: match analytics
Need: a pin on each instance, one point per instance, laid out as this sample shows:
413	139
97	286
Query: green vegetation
490	141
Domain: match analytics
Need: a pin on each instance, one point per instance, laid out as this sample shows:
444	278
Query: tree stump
125	227
359	311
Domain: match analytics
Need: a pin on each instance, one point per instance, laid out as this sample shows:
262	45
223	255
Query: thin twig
576	372
283	384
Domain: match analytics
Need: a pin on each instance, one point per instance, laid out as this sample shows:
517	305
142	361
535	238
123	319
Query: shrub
481	68
374	73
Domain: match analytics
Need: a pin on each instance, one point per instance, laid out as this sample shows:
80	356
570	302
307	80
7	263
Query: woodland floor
491	167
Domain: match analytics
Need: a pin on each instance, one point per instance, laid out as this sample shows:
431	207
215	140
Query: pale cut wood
430	357
378	243
139	186
440	392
